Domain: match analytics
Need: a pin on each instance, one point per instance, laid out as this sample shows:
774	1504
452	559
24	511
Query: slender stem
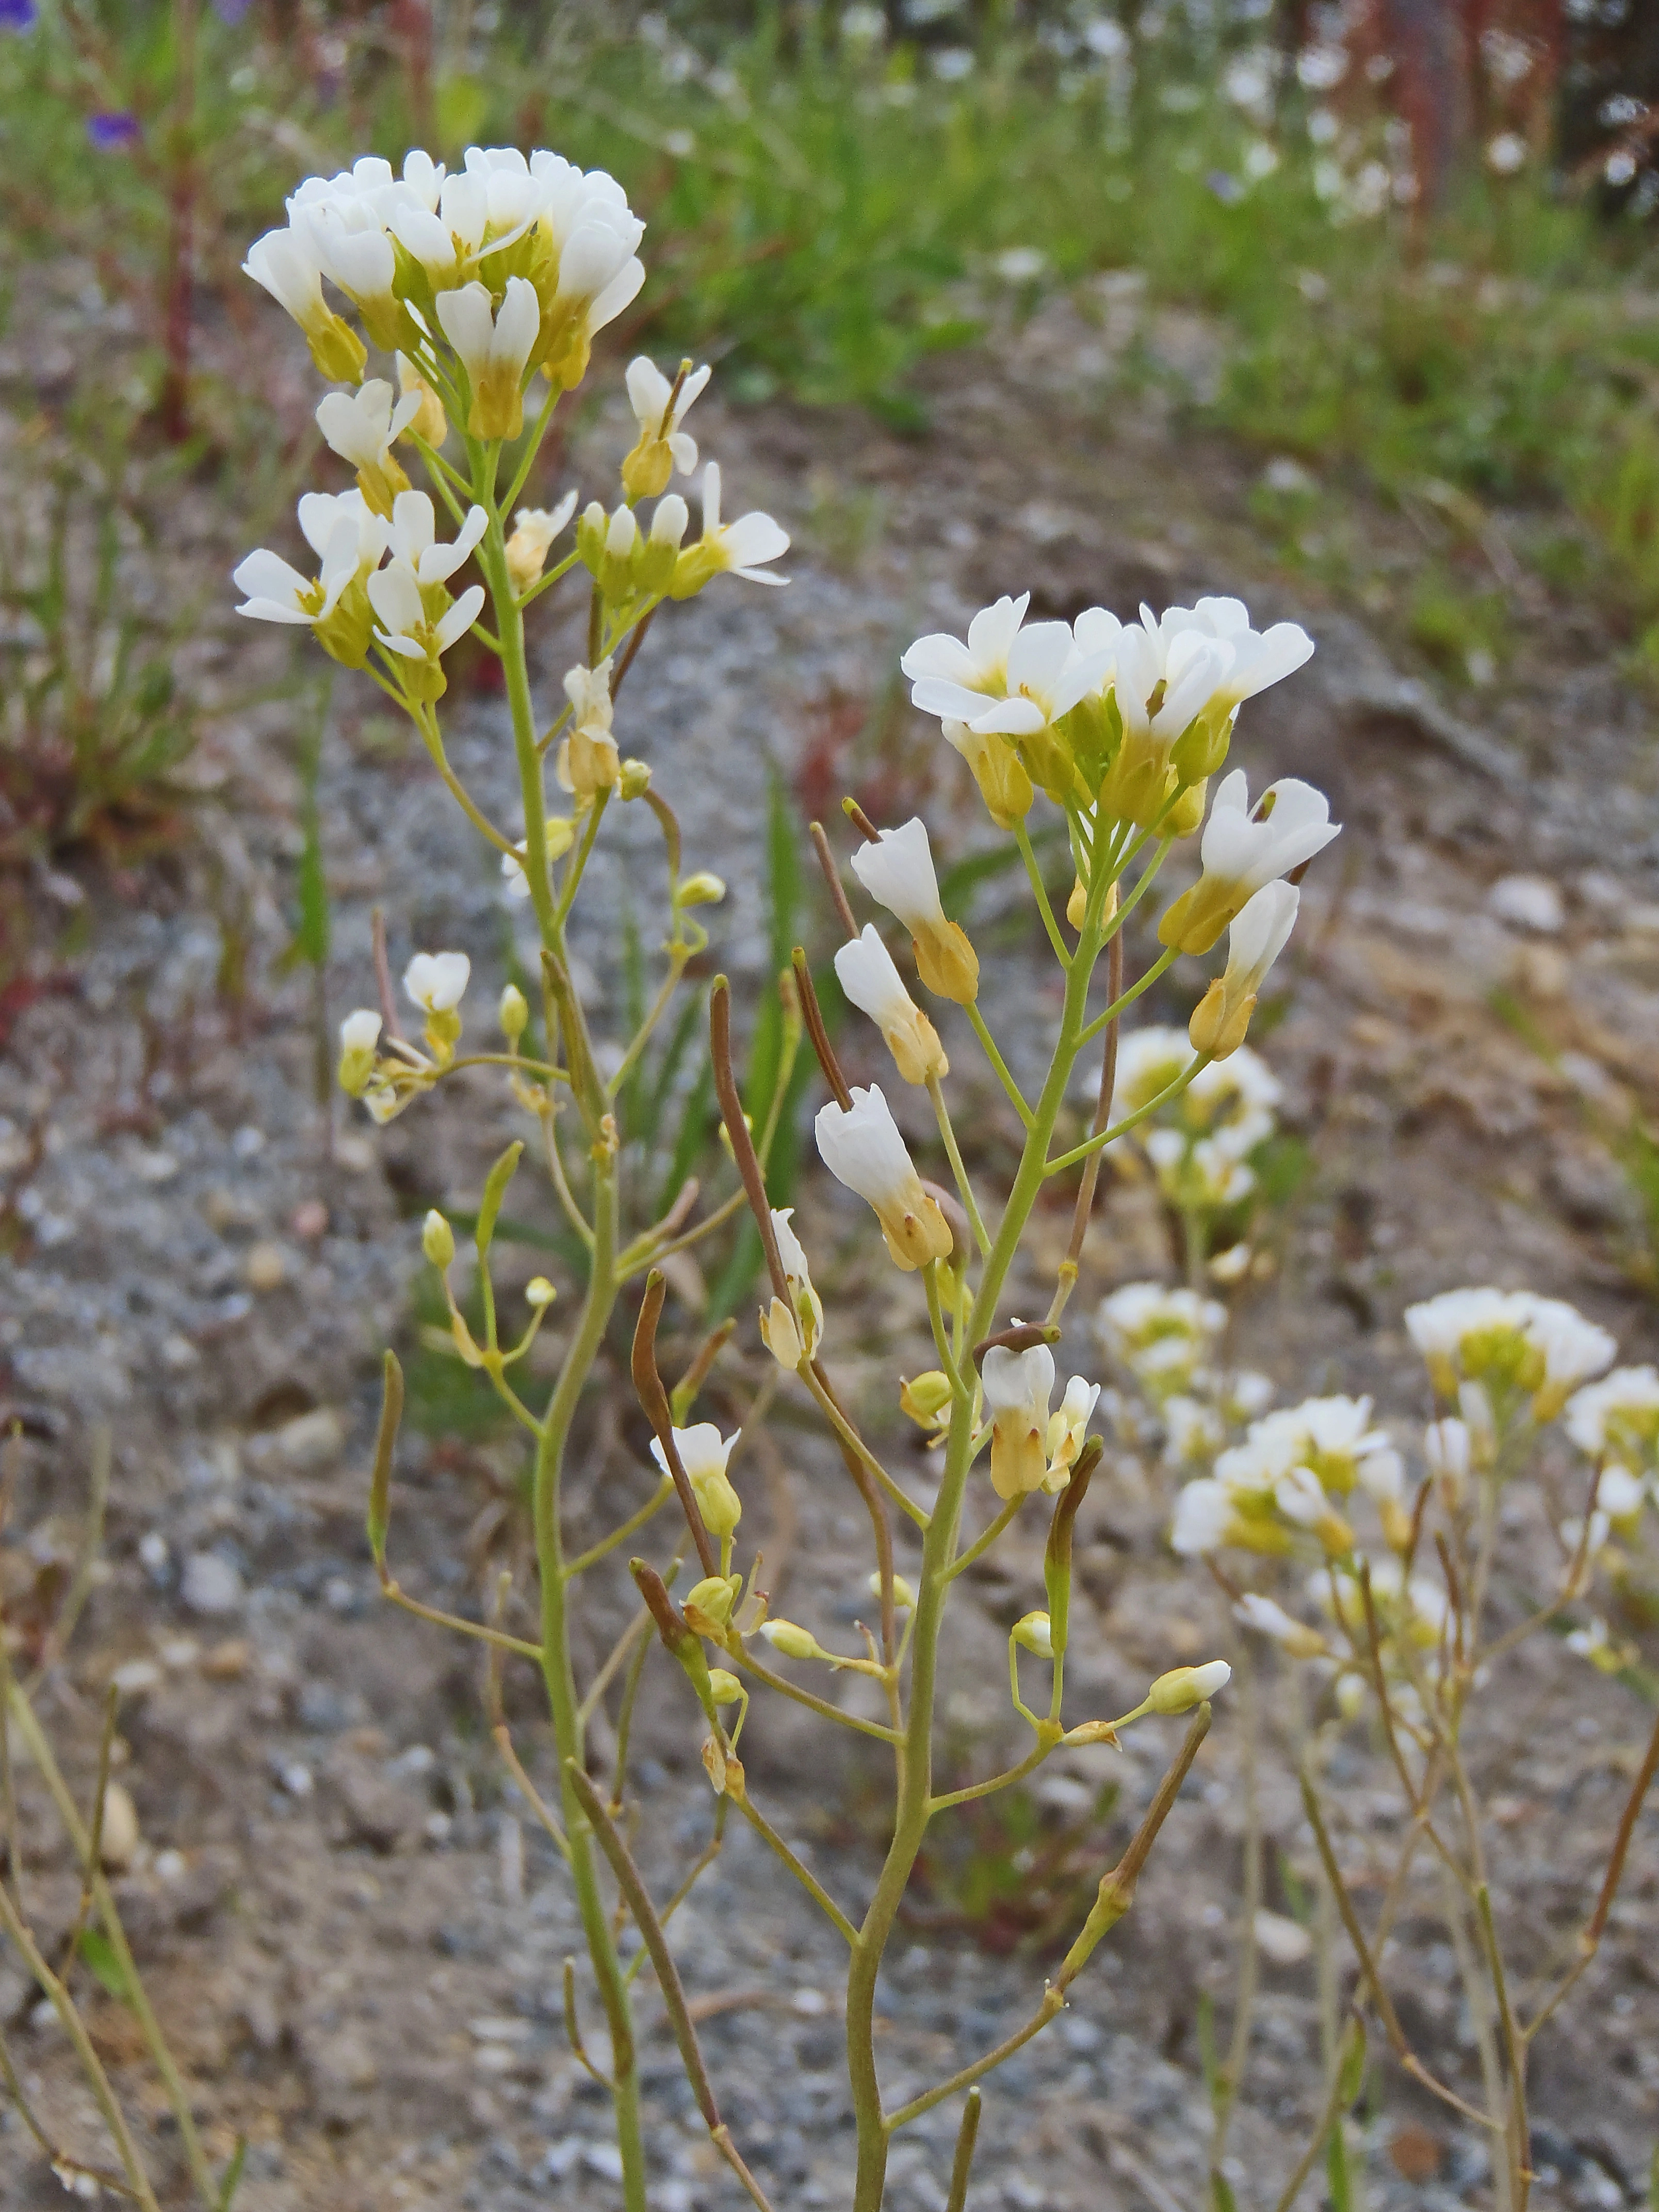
91	2065
426	722
29	1727
802	1874
982	1543
961	2164
1016	1097
628	1881
813	1702
1130	1121
1232	2071
1127	999
855	1444
953	1153
1029	1765
496	1638
1022	839
941	1334
595	1553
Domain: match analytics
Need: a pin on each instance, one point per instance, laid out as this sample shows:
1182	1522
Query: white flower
287	263
703	1453
1618	1419
955	681
394	592
1067	1427
493	349
658	409
741	547
1270	1619
1191	1430
413	538
790	1329
862	1148
1243	850
350	539
1619	1493
1446	1447
534	529
586	221
897	871
359	1033
1148	1061
1017	1386
436	982
1183	665
865	972
1204	1517
354	254
1464	1331
360	427
1257	935
1258	658
588	761
1573	1350
492	203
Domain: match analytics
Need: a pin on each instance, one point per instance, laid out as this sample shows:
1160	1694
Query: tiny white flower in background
1618	1418
1243	850
495	349
742	547
1204	1517
436	981
1256	936
1270	1619
1018	1387
1233	1104
534	529
412	536
790	1330
1447	1450
1506	152
865	972
1148	1061
559	832
1191	1430
360	427
663	446
1068	1426
1620	1494
703	1454
1573	1350
862	1148
359	1034
1459	1326
897	871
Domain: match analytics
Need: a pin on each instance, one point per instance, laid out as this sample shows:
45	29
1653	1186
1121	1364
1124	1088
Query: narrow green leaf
495	1191
1336	2171
99	1955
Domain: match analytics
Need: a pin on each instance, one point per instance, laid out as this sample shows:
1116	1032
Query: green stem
915	1805
1016	1097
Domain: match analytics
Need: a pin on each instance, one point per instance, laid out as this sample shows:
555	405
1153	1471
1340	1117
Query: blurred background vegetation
1420	235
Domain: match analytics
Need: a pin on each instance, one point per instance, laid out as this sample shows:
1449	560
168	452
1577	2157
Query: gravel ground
352	1930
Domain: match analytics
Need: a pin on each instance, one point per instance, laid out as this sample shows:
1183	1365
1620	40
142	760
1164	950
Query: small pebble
118	1837
296	1777
266	1267
311	1442
309	1221
227	1661
210	1584
1526	902
1281	1941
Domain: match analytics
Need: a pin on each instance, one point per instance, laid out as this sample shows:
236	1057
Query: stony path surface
354	1932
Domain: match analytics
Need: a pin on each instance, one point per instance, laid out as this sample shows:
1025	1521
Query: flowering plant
487	286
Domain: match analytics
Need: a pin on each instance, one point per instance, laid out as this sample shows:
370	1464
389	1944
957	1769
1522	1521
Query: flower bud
359	1033
708	1603
794	1643
702	888
724	1686
430	424
539	1292
1033	1633
1184	1688
1077	907
437	1239
927	1399
513	1013
635	781
904	1597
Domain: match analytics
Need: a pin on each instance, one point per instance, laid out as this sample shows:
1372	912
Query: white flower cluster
1290	1478
1494	1351
475	282
1199	1144
388	1081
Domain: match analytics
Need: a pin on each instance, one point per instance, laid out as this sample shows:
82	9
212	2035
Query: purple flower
1227	190
17	14
230	12
110	132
